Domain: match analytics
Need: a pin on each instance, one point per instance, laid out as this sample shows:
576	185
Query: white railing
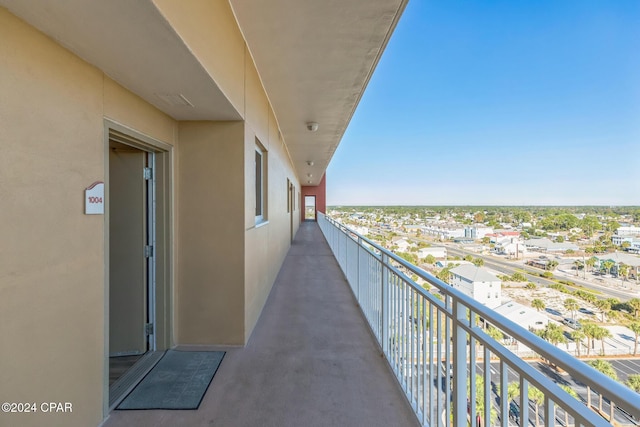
435	343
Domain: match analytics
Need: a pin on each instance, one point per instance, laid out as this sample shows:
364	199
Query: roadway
531	273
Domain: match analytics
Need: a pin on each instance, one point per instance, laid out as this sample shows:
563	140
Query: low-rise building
523	315
478	283
439	252
546	245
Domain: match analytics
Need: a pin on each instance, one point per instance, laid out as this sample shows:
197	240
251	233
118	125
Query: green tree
589	330
572	306
590	224
571	392
591	262
444	274
608	265
495	333
578	335
538	304
430	259
537	397
468	258
634	304
553	333
480	409
604	306
607	369
633	382
518	277
623	270
635	328
601	334
478	262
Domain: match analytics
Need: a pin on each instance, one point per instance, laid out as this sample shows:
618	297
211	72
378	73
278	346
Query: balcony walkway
311	360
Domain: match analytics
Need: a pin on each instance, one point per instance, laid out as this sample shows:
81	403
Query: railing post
459	365
384	283
358	267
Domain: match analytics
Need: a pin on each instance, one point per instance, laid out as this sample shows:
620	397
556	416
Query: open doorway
137	235
309	208
131	265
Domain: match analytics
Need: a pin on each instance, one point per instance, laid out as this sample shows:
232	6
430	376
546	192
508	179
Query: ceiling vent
174	99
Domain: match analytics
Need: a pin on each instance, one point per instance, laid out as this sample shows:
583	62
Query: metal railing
437	341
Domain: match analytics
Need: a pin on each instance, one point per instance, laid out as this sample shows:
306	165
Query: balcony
311	360
315	356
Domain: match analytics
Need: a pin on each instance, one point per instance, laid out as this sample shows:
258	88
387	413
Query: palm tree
538	304
600	334
480	409
607	369
633	382
608	265
589	330
578	335
554	334
571	392
635	328
537	397
478	262
623	270
604	306
591	262
634	303
571	305
579	264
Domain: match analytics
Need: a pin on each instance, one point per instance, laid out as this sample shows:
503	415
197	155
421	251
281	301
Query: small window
261	182
288	195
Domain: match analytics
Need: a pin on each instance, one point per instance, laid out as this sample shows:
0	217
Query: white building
546	245
478	283
522	315
630	230
435	251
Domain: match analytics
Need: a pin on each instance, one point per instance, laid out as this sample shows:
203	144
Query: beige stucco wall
52	256
210	248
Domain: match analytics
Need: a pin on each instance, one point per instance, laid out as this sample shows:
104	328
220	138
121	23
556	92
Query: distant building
477	232
629	230
435	251
619	240
546	245
478	283
522	315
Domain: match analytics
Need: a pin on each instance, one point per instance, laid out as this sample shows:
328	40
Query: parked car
572	323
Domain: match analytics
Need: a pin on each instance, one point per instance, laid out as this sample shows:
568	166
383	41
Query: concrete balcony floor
311	360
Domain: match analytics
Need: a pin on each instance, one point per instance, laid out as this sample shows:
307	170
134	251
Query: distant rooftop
473	273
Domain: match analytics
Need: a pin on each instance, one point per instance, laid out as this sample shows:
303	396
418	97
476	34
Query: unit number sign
94	199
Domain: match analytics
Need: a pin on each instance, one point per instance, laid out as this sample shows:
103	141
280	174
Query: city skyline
534	103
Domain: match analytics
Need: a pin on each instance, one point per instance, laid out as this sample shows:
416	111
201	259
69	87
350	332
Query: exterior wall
53	288
210	286
52	256
320	191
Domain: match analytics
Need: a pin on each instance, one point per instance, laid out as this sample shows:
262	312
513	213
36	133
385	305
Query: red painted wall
320	191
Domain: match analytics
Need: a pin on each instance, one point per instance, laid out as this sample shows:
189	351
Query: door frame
162	292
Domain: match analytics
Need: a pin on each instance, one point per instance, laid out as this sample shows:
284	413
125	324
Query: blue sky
499	103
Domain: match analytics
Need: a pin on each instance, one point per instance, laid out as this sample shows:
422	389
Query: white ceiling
314	57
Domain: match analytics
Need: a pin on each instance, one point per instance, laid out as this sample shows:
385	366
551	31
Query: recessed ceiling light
309	162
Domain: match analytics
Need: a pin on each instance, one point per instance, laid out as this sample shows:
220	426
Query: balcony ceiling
314	58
